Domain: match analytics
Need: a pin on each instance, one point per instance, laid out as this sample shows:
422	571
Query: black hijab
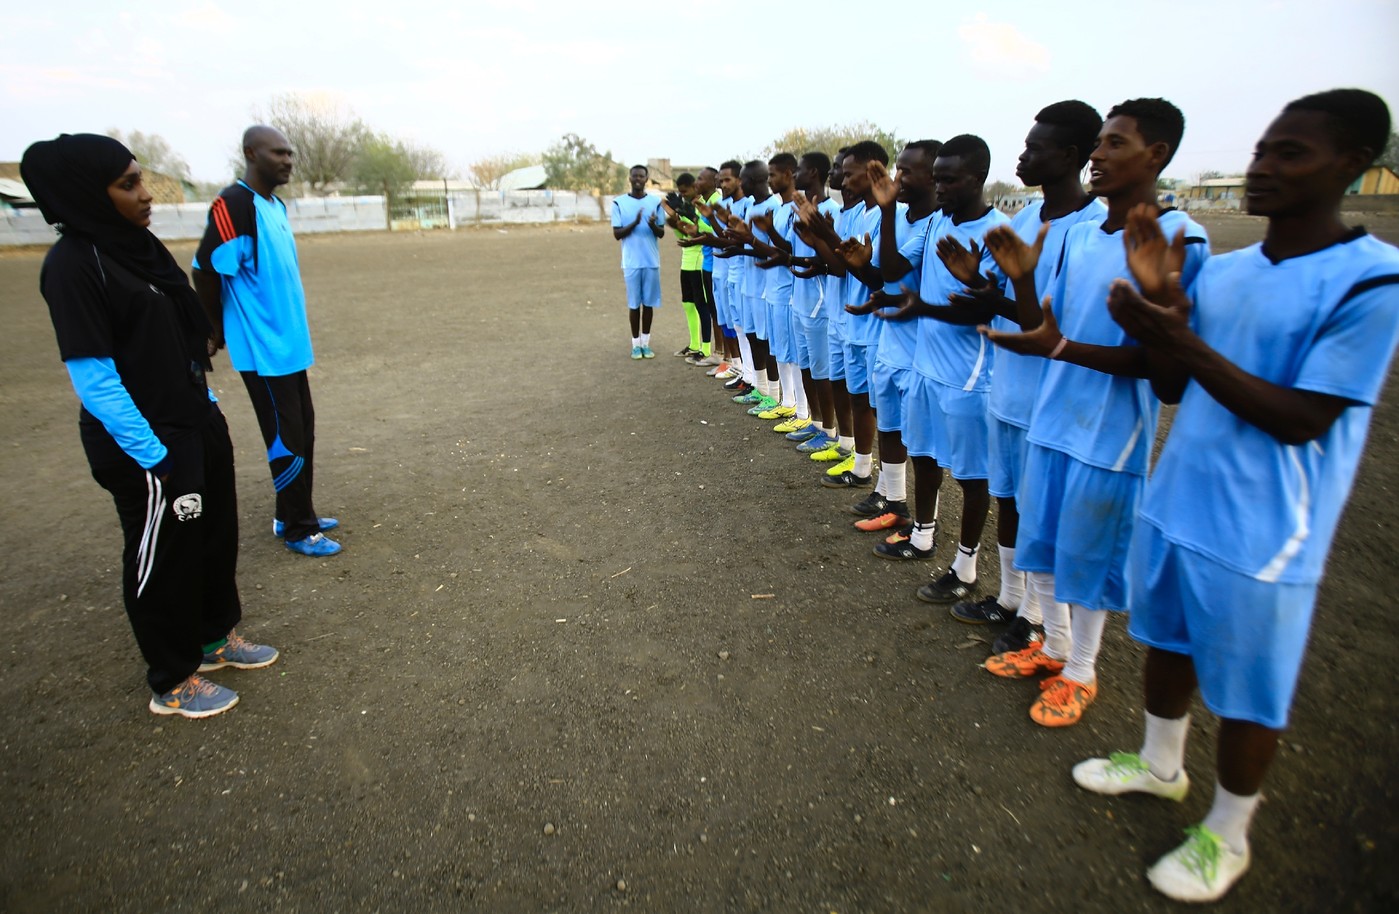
68	178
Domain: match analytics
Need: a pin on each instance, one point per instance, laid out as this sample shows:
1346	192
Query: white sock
1229	817
922	536
789	390
646	339
1012	581
863	462
964	564
775	390
802	407
1163	747
895	479
1030	606
1087	625
635	342
879	486
847	442
1058	637
745	349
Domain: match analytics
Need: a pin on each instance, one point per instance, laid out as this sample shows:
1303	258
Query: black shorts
691	286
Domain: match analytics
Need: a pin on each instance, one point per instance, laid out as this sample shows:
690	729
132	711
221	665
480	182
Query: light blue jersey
738	207
862	329
1103	420
264	305
754	279
807	294
898	339
778	289
640	249
1327	322
834	303
955	356
1017	377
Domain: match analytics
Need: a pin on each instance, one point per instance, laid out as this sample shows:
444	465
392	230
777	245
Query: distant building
163	188
1377	179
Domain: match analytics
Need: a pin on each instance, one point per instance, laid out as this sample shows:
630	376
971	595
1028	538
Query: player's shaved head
1356	119
1075	124
972	150
260	135
1158	121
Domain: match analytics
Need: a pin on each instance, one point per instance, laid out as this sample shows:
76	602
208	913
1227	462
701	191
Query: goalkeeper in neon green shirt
694	298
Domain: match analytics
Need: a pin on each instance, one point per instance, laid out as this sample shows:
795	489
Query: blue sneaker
817	442
314	545
646	353
240	654
279	529
195	697
636	352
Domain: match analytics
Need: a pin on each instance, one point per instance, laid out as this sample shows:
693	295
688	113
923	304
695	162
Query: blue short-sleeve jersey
778	290
1017	377
1101	419
861	328
808	294
956	356
898	339
834	302
738	207
1327	322
264	304
754	279
640	249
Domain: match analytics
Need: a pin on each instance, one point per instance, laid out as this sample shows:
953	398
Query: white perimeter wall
183	221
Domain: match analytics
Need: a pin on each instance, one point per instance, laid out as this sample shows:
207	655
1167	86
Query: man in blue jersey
248	278
752	306
1056	149
945	409
809	331
641	256
906	207
1094	418
1276	356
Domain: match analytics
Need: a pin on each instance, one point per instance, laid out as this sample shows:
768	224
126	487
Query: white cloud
1001	49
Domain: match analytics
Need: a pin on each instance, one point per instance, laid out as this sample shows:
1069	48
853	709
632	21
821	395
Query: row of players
884	316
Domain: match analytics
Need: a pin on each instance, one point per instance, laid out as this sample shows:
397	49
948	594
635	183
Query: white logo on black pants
188	507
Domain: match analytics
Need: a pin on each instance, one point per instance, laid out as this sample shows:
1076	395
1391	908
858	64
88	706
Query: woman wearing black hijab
134	340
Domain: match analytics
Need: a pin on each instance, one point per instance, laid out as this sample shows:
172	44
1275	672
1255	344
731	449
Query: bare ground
597	641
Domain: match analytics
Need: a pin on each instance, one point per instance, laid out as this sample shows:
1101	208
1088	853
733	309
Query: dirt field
597	641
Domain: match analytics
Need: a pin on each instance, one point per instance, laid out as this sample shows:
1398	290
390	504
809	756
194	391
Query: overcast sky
694	81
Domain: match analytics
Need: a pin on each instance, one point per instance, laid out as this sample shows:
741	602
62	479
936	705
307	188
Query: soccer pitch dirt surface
598	640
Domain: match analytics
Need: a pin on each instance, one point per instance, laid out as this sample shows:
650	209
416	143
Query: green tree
801	140
487	172
575	164
325	133
153	152
382	166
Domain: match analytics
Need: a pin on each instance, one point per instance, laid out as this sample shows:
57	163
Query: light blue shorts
643	287
814	347
859	366
888	390
755	317
1076	523
1007	452
948	425
779	327
1246	638
835	352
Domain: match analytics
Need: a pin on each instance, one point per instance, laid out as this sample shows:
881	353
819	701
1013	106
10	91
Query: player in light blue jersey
809	322
1276	357
945	414
1056	150
1094	418
641	256
906	207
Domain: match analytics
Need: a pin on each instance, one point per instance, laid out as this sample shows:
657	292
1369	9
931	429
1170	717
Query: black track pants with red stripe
180	558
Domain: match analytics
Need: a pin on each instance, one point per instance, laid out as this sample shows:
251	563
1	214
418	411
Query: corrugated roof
527	178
